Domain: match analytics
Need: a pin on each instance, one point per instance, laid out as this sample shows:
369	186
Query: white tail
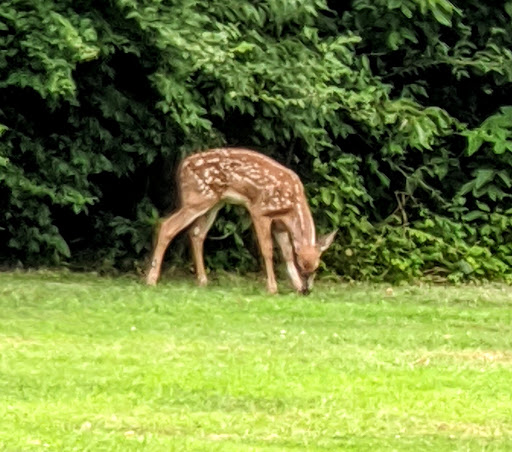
274	197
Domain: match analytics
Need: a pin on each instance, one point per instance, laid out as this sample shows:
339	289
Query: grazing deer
274	197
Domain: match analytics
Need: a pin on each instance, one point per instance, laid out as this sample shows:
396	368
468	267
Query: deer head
307	259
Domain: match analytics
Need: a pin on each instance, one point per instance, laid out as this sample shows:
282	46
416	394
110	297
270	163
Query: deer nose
305	291
307	284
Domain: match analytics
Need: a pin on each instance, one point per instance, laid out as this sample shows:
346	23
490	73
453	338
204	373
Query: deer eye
304	267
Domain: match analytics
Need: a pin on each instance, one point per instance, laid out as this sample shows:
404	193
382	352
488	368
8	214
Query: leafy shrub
393	112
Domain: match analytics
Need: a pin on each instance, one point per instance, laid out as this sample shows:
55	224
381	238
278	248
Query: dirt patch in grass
457	429
16	342
471	356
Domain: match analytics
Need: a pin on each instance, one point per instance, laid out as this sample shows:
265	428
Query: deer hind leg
284	242
262	226
197	234
169	228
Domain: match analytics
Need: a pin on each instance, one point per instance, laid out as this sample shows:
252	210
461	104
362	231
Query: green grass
100	364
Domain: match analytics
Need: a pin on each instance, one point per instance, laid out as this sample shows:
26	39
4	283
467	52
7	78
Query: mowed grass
101	364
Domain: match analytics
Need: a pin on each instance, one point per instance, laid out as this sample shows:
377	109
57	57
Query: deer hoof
272	290
151	280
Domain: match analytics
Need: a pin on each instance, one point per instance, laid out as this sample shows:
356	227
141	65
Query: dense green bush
394	113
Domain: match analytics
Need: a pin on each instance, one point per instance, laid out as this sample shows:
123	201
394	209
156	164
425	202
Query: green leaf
504	176
483	206
495	193
406	11
483	176
326	196
508	8
474	143
443	17
394	40
62	247
475	215
244	47
422	136
465	267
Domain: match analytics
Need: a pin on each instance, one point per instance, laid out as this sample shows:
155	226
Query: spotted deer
274	197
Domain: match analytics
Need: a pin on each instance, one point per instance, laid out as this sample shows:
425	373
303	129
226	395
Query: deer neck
301	226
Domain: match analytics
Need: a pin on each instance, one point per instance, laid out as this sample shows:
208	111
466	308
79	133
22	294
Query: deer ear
325	241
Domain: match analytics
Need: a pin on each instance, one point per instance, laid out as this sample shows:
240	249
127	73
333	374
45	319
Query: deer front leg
262	226
197	234
283	240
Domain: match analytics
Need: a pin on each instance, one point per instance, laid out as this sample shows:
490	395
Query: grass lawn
101	364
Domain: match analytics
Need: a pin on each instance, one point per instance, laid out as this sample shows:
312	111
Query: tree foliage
394	113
